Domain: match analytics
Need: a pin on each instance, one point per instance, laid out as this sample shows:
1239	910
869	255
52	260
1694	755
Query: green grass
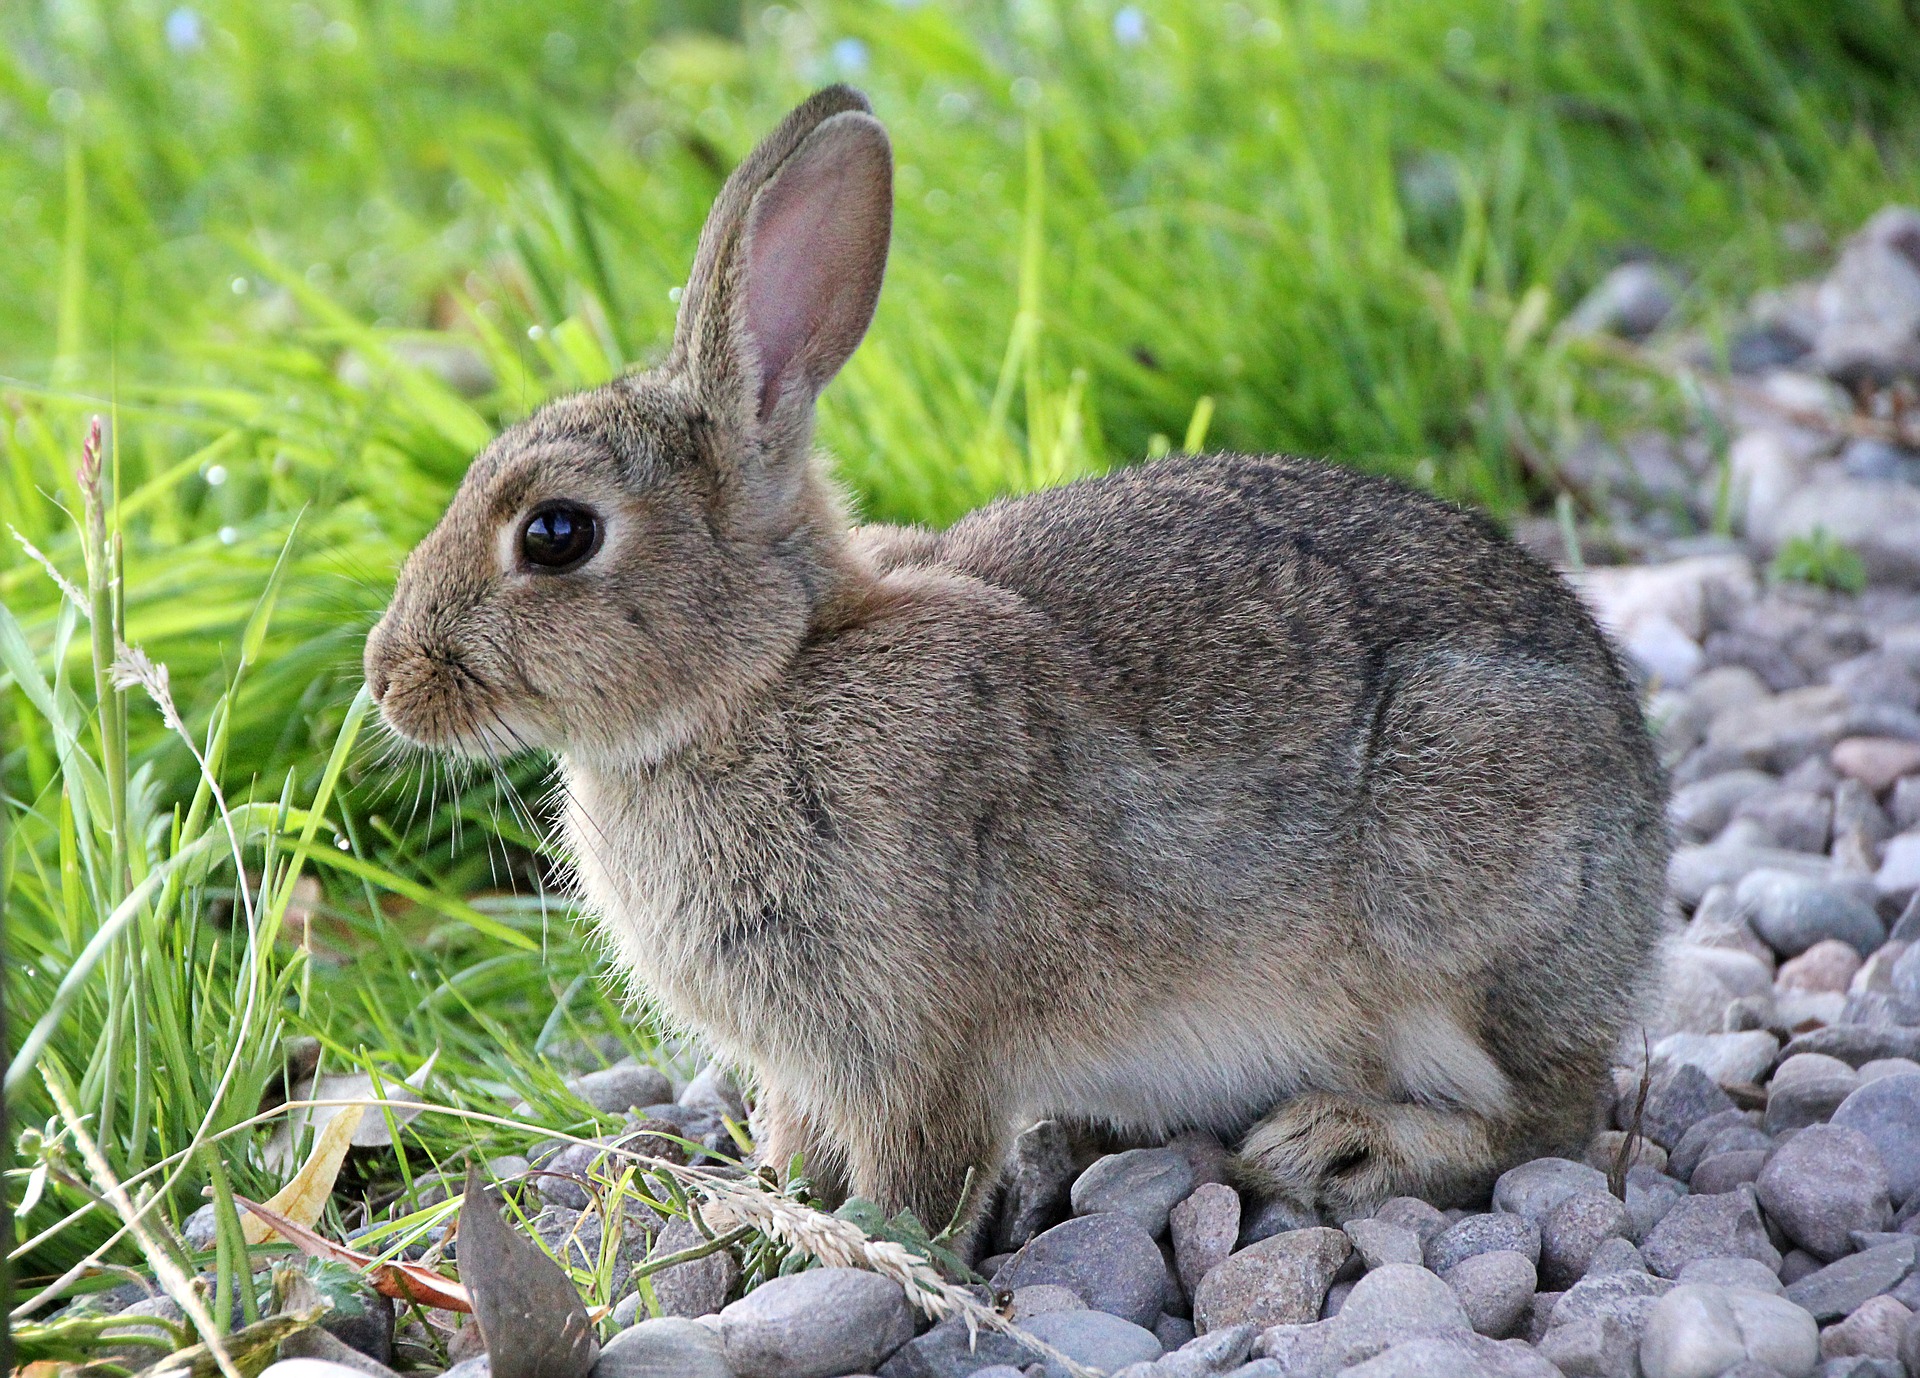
1341	228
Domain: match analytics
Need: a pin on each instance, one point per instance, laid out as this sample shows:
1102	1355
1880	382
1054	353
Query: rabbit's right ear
789	266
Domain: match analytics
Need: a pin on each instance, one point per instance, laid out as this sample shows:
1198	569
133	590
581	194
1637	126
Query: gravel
1822	1185
1279	1280
1109	1261
1144	1183
817	1324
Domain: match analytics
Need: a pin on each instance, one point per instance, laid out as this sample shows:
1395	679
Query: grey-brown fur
1241	792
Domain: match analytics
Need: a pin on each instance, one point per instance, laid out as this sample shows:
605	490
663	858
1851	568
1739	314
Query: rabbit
1236	793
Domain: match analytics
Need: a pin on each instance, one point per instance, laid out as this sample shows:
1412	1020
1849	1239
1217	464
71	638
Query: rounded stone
1793	912
1280	1280
1700	1332
1108	1260
1887	1111
1533	1189
1823	1184
1731	1272
1144	1183
1873	1330
1395	1303
1807	1100
665	1347
1826	966
1483	1234
1096	1339
1495	1290
1723	1226
622	1087
1042	1299
1572	1231
1203	1228
816	1324
1725	1171
1379	1242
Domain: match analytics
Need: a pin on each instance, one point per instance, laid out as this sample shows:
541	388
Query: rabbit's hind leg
1343	1155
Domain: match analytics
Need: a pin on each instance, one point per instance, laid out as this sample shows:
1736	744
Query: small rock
1679	1097
1650	1196
712	1093
1571	1233
1379	1242
1855	1044
665	1347
1533	1189
1616	1256
1843	1286
1876	762
694	1289
1899	873
1798	819
1821	1185
1631	301
1604	1346
1888	1067
1731	1272
1494	1289
1692	871
1700	1332
1039	1178
1394	1303
1809	1099
1793	912
1279	1280
622	1087
1144	1183
1271	1217
1886	1111
1700	810
1483	1234
1874	1331
1174	1331
1725	1171
1040	1299
816	1324
949	1350
1214	1353
1410	1211
1730	1059
1605	1148
1203	1228
1094	1338
1723	1226
1829	965
1108	1260
1705	1137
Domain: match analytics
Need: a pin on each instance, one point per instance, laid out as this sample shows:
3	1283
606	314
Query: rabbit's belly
1218	1069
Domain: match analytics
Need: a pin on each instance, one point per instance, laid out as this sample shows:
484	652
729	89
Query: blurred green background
307	257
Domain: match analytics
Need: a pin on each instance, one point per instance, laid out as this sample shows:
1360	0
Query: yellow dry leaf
302	1199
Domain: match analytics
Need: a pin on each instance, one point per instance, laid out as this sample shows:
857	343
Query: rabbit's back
1231	603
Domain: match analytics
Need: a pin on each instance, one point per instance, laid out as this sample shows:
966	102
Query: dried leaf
529	1312
302	1199
401	1281
373	1131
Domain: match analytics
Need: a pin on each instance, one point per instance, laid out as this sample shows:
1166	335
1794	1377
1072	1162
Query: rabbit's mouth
437	701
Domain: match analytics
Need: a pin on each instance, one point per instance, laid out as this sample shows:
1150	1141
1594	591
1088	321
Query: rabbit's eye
560	536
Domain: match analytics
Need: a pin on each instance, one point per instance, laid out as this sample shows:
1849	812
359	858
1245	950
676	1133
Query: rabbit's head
618	570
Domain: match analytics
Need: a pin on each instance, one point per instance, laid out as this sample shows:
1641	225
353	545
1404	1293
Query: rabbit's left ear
785	284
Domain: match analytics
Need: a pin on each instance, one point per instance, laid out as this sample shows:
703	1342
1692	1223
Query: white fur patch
1435	1062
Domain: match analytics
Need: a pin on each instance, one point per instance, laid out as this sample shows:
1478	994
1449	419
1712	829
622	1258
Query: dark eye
560	536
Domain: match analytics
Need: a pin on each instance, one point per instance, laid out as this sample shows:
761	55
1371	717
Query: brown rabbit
1242	793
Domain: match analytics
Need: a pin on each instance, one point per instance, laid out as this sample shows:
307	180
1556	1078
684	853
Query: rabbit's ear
790	262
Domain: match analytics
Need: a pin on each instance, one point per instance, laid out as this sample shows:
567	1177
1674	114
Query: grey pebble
1039	1178
1723	1226
1793	912
1495	1290
622	1087
1040	1298
1731	1272
1094	1338
697	1288
1380	1242
1698	1330
1203	1228
1807	1100
1679	1096
1887	1111
1483	1234
1144	1183
1821	1185
1840	1288
816	1324
1533	1189
1571	1233
664	1347
1279	1280
1109	1260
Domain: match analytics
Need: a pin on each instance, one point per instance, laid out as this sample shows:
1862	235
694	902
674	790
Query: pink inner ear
816	250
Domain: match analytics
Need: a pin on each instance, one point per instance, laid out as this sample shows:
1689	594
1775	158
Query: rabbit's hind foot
1343	1155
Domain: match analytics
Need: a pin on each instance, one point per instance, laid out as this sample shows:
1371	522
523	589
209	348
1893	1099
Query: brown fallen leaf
303	1198
402	1281
530	1314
